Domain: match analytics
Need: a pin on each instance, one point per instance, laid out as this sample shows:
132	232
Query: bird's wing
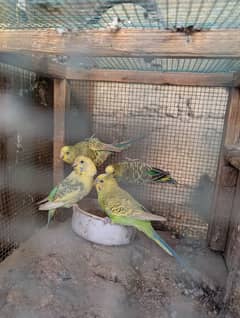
147	216
124	205
50	197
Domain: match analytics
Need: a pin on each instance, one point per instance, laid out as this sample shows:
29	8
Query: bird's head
109	169
67	154
84	165
104	182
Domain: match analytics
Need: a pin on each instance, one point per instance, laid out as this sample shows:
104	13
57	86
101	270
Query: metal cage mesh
183	128
26	157
156	64
88	14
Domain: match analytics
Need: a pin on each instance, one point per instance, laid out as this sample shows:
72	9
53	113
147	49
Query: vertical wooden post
233	282
61	103
226	178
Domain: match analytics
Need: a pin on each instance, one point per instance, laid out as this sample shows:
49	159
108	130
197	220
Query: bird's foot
75	206
107	220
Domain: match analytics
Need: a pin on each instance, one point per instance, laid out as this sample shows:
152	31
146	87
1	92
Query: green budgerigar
123	209
72	189
137	172
95	149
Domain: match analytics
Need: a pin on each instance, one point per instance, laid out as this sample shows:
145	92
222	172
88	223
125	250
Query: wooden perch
232	155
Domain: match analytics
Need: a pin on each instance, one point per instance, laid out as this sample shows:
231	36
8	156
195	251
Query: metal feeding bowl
88	222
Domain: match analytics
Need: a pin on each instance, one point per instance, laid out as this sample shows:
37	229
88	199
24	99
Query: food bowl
88	222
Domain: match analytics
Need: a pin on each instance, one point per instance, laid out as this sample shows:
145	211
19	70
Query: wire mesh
158	14
183	128
157	64
26	157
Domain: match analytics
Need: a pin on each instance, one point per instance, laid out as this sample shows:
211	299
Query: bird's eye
101	181
67	152
81	161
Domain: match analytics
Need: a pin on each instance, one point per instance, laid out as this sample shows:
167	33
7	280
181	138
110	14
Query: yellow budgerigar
95	149
73	188
123	209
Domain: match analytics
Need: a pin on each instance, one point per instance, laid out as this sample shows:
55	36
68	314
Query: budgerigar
123	209
73	188
95	149
137	172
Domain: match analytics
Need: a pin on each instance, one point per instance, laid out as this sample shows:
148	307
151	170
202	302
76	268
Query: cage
164	70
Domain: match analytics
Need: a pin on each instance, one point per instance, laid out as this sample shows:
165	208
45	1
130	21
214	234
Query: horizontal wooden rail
214	43
193	79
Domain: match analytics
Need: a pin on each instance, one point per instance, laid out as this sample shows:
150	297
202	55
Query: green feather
50	215
53	193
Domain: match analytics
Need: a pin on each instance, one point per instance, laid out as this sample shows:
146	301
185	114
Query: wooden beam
193	79
232	155
61	103
236	79
214	43
233	259
34	63
224	193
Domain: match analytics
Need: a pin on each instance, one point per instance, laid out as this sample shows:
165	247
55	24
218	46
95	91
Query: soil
57	274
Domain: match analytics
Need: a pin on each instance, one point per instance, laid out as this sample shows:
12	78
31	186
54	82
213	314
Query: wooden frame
214	43
192	79
61	103
233	258
232	155
42	65
226	178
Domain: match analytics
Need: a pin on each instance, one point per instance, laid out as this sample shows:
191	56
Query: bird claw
107	220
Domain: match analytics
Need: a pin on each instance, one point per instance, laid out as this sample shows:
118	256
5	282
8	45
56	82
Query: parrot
95	149
122	208
72	189
137	172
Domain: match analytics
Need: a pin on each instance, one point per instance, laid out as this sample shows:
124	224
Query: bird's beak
61	156
74	165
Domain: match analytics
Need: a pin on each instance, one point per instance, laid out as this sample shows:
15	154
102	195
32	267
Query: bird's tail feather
161	176
43	200
50	215
167	248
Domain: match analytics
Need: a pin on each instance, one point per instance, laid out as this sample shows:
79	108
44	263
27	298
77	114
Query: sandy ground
57	274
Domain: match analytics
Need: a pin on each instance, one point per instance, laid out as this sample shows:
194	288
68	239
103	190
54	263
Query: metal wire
184	128
26	158
164	64
160	14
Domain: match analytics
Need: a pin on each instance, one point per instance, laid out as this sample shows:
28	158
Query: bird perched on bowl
137	172
95	149
123	209
72	189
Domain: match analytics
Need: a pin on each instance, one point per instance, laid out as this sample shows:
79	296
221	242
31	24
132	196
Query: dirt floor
57	274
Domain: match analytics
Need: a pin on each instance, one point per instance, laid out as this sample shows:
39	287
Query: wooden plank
193	79
61	102
41	65
224	193
232	155
233	282
214	43
236	79
38	64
